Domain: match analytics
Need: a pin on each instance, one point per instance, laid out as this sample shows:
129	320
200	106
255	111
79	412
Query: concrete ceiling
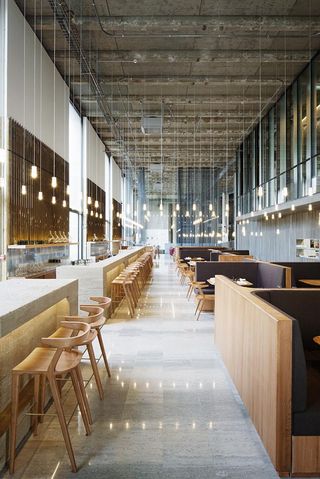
211	73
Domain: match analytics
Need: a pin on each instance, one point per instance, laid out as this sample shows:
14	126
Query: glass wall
277	161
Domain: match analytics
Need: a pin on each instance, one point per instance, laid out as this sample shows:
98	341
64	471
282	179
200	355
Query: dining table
314	283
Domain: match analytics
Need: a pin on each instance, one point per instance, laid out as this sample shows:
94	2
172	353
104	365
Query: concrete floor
169	411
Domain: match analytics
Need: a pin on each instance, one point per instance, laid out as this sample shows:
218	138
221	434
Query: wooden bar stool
54	359
103	302
95	319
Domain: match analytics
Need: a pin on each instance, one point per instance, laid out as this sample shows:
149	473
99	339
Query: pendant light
96	204
34	172
194	207
40	196
89	200
187	214
53	200
64	203
144	207
177	207
23	190
54	182
210	207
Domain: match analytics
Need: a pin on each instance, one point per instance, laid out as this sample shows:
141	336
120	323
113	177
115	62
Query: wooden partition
226	257
254	340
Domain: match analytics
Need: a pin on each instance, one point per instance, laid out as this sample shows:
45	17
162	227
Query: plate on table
211	281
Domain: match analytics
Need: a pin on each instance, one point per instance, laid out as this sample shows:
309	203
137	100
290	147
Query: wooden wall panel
116	221
30	220
96	225
255	342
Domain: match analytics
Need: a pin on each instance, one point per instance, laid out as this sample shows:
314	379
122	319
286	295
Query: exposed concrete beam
204	24
188	115
180	136
190	100
184	80
192	56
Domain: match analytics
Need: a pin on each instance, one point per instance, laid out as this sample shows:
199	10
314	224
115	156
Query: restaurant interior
159	239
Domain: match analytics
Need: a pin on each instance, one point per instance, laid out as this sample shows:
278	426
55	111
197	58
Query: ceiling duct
151	125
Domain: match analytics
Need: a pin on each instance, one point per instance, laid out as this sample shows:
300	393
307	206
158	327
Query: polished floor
170	410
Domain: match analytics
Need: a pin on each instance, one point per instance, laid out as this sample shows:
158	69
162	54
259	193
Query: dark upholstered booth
302	270
261	275
303	308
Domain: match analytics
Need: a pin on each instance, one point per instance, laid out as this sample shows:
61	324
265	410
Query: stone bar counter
29	310
95	278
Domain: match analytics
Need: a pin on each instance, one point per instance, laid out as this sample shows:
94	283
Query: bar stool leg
95	370
14	418
80	400
104	355
42	396
64	428
36	403
83	392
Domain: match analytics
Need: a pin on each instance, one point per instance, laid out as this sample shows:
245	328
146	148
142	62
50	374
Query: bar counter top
21	299
95	278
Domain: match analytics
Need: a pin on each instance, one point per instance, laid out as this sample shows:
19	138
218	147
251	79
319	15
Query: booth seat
265	338
303	309
261	275
302	270
214	255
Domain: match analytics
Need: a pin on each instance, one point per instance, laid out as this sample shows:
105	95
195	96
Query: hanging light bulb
310	207
144	207
96	204
97	215
91	213
64	203
89	200
161	207
53	200
200	213
23	190
101	216
279	215
174	214
187	214
293	208
213	214
40	196
210	207
54	182
194	207
260	191
68	190
278	231
285	192
177	207
34	172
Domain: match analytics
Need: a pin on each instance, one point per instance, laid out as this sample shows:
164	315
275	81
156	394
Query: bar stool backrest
68	343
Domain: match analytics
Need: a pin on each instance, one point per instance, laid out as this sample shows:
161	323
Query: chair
103	302
95	320
54	359
202	297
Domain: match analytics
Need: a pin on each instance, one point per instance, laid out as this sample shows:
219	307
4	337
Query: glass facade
277	161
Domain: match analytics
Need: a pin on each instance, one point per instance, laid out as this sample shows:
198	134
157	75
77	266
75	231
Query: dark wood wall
96	225
116	220
30	220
